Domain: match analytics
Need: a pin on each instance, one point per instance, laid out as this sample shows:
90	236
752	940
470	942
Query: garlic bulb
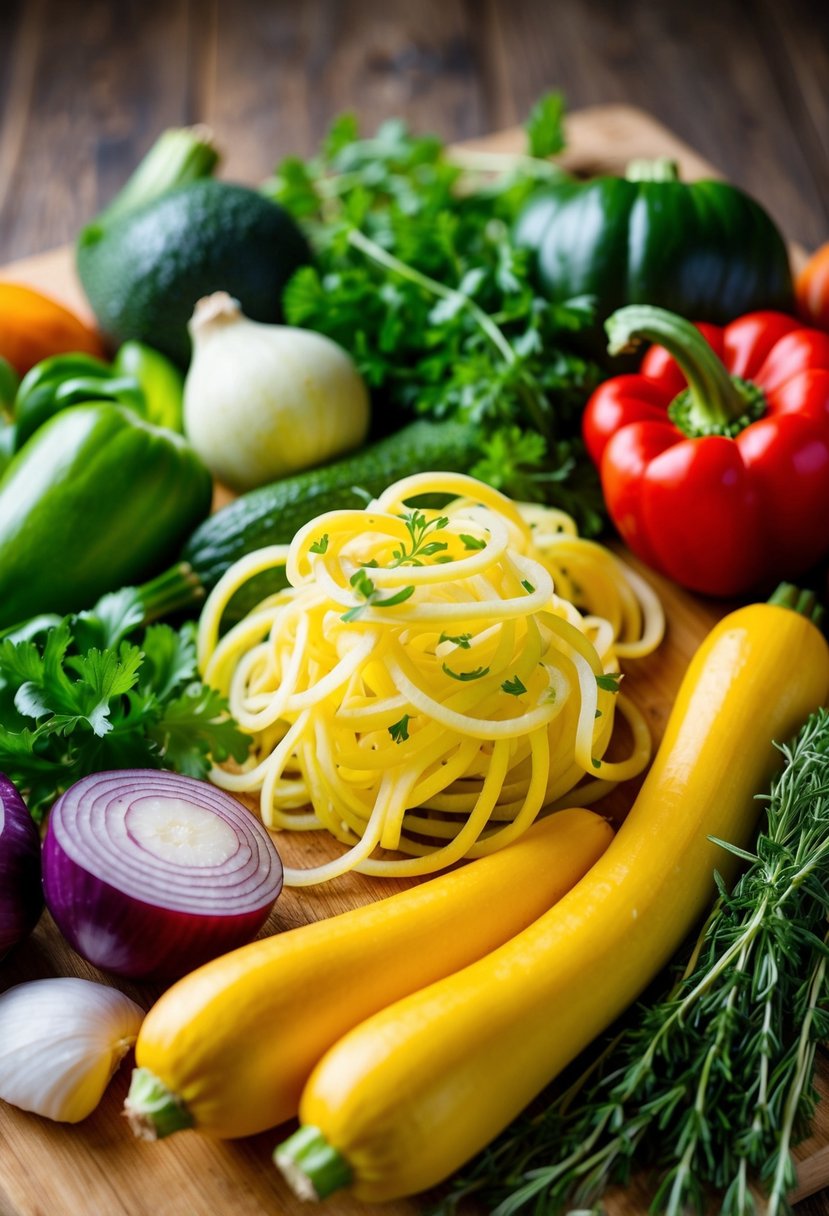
61	1040
262	401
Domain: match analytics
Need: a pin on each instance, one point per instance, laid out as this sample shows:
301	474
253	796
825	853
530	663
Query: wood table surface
86	86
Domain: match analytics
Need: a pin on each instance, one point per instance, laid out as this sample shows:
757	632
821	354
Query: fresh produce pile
411	365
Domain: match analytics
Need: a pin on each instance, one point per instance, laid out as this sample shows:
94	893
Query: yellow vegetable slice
423	687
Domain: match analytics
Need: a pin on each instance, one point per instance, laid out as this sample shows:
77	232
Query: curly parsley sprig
418	276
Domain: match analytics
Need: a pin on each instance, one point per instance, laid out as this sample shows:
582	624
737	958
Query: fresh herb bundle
418	276
77	697
711	1086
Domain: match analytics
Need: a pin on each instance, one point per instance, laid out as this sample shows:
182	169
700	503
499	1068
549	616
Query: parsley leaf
418	274
472	542
514	686
544	127
399	731
320	545
609	681
477	674
462	639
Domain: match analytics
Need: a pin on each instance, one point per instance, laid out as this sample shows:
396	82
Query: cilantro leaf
69	708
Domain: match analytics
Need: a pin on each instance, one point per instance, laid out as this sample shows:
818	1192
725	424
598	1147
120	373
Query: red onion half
150	874
21	898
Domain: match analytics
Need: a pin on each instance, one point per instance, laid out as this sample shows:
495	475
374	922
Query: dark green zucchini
273	514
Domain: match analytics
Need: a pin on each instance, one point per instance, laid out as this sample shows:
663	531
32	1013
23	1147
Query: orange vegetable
812	289
33	327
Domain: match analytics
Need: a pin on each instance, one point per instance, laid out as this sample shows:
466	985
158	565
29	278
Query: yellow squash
228	1048
413	1092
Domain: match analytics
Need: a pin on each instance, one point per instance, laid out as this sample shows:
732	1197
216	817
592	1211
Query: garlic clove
61	1040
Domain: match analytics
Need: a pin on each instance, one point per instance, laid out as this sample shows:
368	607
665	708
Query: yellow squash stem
413	1092
228	1049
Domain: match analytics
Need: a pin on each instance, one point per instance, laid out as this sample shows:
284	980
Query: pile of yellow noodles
441	723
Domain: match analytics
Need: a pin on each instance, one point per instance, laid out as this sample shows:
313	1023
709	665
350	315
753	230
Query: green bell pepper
63	380
9	382
97	498
161	383
139	377
702	249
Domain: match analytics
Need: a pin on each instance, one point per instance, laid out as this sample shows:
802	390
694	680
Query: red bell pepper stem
715	402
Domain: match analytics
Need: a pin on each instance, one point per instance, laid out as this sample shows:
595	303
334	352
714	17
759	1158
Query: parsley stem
380	255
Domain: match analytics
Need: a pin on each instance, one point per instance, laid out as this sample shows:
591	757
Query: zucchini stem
179	156
311	1166
152	1110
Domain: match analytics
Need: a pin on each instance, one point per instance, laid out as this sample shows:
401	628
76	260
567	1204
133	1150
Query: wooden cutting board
97	1168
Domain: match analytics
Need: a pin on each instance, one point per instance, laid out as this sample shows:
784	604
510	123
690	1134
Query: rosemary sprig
711	1085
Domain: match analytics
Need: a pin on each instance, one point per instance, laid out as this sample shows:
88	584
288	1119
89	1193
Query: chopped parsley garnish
418	527
462	639
609	681
320	545
514	686
472	542
399	731
477	674
363	585
528	587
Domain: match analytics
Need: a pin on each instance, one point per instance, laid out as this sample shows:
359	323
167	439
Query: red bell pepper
714	459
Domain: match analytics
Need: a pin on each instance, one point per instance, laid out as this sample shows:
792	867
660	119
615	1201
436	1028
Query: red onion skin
129	937
21	897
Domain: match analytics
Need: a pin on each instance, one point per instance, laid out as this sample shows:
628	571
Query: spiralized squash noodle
431	680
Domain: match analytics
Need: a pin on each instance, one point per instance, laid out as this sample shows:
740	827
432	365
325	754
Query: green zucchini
274	513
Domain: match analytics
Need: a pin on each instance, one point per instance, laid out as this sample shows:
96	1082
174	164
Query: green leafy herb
462	639
514	687
418	527
544	127
363	585
77	697
399	731
472	542
477	674
527	585
709	1086
418	275
609	681
320	545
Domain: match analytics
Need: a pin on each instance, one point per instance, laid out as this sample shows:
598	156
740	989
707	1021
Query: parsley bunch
77	697
418	276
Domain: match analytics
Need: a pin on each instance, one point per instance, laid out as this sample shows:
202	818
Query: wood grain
97	1169
86	85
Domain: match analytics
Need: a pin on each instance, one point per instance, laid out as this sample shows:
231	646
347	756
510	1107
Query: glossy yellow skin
412	1093
237	1039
